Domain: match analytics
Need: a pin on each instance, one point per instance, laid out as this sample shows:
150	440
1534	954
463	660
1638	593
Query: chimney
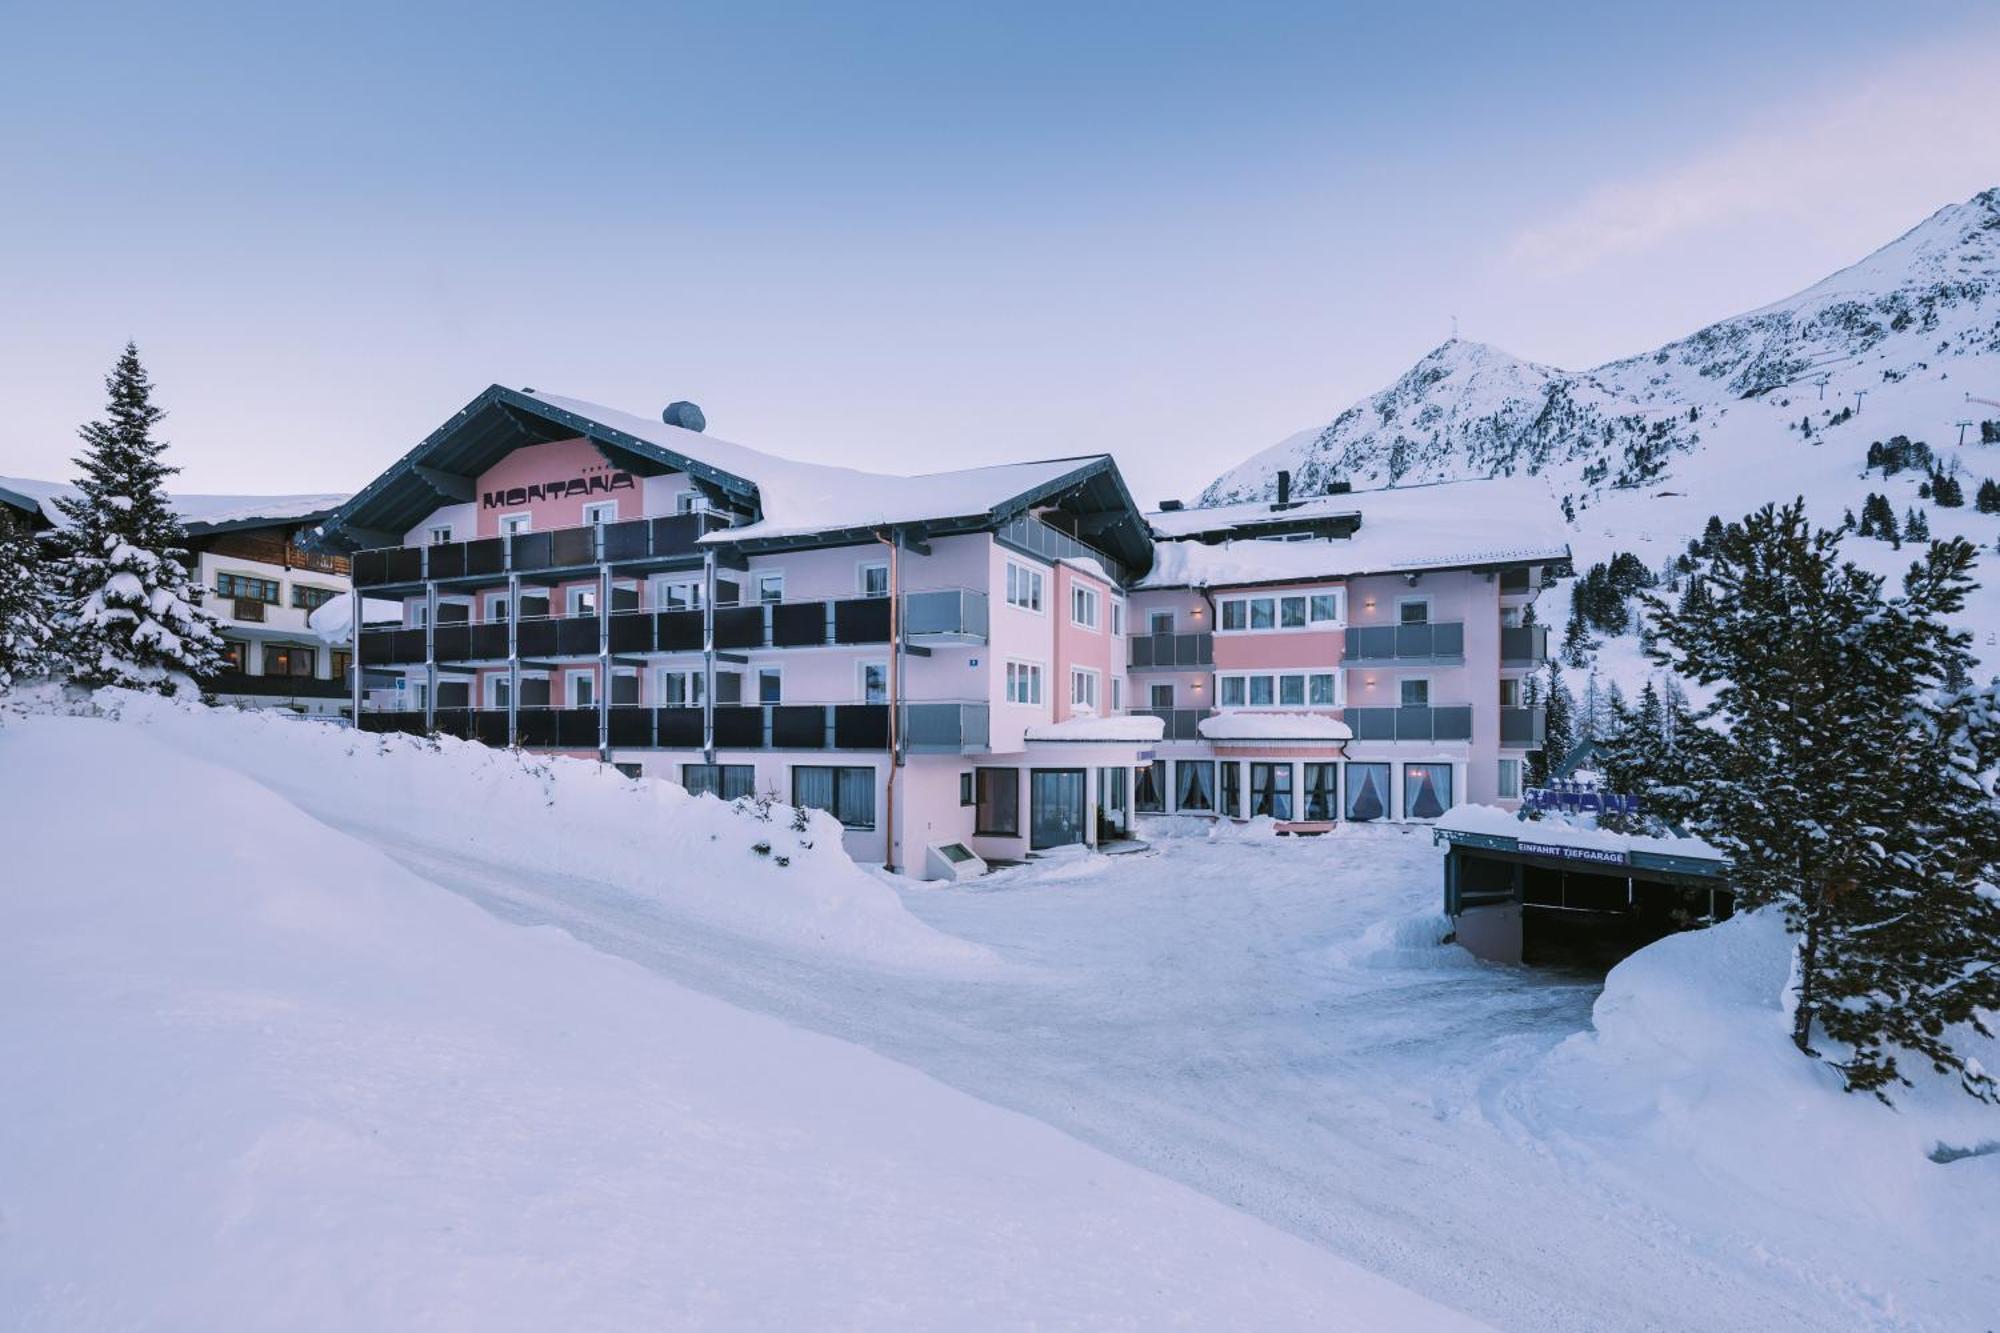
1339	487
1169	506
1284	488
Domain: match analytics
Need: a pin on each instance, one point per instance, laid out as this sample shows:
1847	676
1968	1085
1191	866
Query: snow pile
753	868
1405	943
1119	727
1568	831
334	621
1689	1093
259	1075
1234	726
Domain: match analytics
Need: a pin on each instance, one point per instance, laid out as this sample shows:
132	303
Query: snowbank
1119	727
261	1076
1274	727
1563	832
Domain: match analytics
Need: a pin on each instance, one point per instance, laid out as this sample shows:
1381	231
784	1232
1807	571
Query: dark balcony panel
1371	642
576	728
632	632
535	726
489	642
678	631
861	726
574	546
1371	724
454	613
490	726
628	541
798	727
370	568
1452	722
624	597
447	560
389	564
676	534
1413	724
861	620
536	638
378	647
798	624
578	636
739	727
453	722
679	728
1140	651
532	550
487	555
945	727
410	723
1413	640
453	643
454	694
1522	726
739	627
1448	639
534	605
294	687
631	727
410	645
1513	580
624	689
1524	644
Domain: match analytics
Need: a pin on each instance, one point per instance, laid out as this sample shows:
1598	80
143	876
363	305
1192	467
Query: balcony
928	727
665	540
1169	652
1389	645
1524	645
1181	724
944	616
1522	726
277	687
1445	722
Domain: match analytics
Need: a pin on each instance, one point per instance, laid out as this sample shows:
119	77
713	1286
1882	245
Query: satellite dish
685	415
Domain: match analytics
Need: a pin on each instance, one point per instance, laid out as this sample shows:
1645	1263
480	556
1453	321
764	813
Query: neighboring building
1009	658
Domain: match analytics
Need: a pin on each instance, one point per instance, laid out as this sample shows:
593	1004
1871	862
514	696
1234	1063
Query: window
534	605
534	690
1510	779
1232	789
514	524
848	794
342	660
1117	617
771	586
1271	790
1149	797
1326	608
1163	622
729	781
681	689
1292	612
1510	691
440	534
232	655
1232	690
1367	792
999	803
875	580
1235	615
311	598
874	682
1291	691
1194	785
1083	606
770	685
1413	692
1261	692
498	691
680	595
1414	610
632	771
496	607
284	660
624	686
1319	793
419	614
1288	611
1163	696
1512	617
1263	613
1323	689
1083	690
597	515
1024	683
1024	587
245	588
1117	693
1426	790
965	796
690	502
582	689
582	601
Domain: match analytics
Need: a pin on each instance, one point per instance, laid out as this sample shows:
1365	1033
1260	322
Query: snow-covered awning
1130	728
334	622
1493	822
1310	728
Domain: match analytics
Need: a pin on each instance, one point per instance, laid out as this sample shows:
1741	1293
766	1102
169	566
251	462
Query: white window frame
1277	600
513	525
571	679
1021	673
1508	765
1277	676
439	534
1117	694
416	614
573	596
1153	689
861	572
1518	691
1026	577
490	602
759	577
660	583
1339	596
1117	616
861	678
1425	681
489	689
598	513
1082	676
691	690
763	671
690	501
1421	599
1153	619
1083	597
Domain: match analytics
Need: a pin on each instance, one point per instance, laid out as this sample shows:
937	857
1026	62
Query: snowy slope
260	1076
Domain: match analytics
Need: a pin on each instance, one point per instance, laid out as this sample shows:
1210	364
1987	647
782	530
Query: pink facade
551	484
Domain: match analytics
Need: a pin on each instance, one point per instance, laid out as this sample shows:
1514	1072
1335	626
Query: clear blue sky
911	237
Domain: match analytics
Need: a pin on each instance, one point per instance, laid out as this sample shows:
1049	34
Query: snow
1121	727
1235	726
1558	831
1441	525
276	1079
191	509
333	621
804	498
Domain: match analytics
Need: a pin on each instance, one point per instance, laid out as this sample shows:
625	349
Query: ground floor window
1112	784
1271	790
232	655
1232	789
965	790
632	771
1510	779
846	793
998	802
1426	790
341	661
1194	785
729	781
1150	796
1320	798
284	660
1367	792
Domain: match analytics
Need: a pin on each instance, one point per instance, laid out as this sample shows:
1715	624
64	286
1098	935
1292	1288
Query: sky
911	237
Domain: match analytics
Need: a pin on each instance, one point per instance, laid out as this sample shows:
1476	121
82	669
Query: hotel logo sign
593	483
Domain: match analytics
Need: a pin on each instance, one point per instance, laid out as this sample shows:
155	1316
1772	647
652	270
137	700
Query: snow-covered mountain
1914	328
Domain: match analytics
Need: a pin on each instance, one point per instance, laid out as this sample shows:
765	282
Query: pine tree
1559	726
1946	490
131	616
1849	788
1987	498
27	613
1577	643
1637	754
1916	527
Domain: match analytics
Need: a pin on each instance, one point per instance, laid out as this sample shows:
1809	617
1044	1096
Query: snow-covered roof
196	511
333	622
1441	525
1235	726
1129	727
1559	832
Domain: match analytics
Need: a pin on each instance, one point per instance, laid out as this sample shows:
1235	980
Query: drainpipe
895	696
708	655
354	641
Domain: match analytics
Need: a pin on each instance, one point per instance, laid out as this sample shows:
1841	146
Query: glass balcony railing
1181	724
1168	652
1524	645
1523	726
1433	641
1444	722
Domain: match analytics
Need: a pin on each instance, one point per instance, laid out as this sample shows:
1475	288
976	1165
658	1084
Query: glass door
1056	807
1114	814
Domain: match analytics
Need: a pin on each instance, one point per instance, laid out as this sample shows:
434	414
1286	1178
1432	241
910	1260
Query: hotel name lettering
592	483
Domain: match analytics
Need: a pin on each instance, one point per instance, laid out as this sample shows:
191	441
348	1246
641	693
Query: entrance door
1114	819
1056	807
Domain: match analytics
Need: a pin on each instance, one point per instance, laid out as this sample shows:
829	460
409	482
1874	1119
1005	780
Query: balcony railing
928	727
670	537
1165	652
1433	641
1524	645
1522	726
945	615
1444	722
1181	724
293	687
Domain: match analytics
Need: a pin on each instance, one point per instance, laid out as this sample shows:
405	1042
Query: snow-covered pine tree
1559	724
1849	788
131	615
27	609
1916	527
1577	643
1535	772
